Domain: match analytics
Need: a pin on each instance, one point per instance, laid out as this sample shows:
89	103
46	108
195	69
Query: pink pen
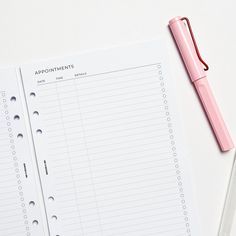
195	66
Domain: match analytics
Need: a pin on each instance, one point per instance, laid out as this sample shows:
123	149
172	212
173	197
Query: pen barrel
186	48
213	114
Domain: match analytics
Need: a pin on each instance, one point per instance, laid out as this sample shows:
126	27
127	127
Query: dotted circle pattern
173	149
15	162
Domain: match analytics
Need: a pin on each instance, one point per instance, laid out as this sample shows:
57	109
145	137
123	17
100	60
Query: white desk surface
36	29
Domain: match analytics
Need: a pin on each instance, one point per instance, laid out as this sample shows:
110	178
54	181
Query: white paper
21	212
107	144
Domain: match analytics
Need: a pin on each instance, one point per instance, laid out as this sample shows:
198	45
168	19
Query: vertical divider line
69	158
35	155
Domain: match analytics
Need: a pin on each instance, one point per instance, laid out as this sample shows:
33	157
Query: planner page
108	145
21	211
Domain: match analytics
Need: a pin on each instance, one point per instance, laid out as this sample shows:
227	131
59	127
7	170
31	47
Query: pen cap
187	49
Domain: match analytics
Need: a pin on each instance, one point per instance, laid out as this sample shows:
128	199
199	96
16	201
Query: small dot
35	223
32	203
13	99
32	94
39	131
36	113
54	218
16	117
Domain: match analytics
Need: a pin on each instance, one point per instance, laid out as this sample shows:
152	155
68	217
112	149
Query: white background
36	29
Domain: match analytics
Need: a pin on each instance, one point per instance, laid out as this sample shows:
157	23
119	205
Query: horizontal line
86	137
79	103
123	202
12	227
112	114
110	150
126	196
121	121
130	231
108	186
104	127
77	89
105	158
80	179
10	210
114	162
116	95
61	194
10	192
85	82
103	73
107	169
123	196
111	108
68	152
139	217
112	192
8	198
132	207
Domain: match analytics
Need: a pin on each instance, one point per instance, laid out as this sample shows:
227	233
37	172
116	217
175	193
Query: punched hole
13	99
16	117
54	217
36	113
39	131
20	136
51	199
32	94
31	203
35	223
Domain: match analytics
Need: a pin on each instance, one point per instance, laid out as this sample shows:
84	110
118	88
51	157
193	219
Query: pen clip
194	43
